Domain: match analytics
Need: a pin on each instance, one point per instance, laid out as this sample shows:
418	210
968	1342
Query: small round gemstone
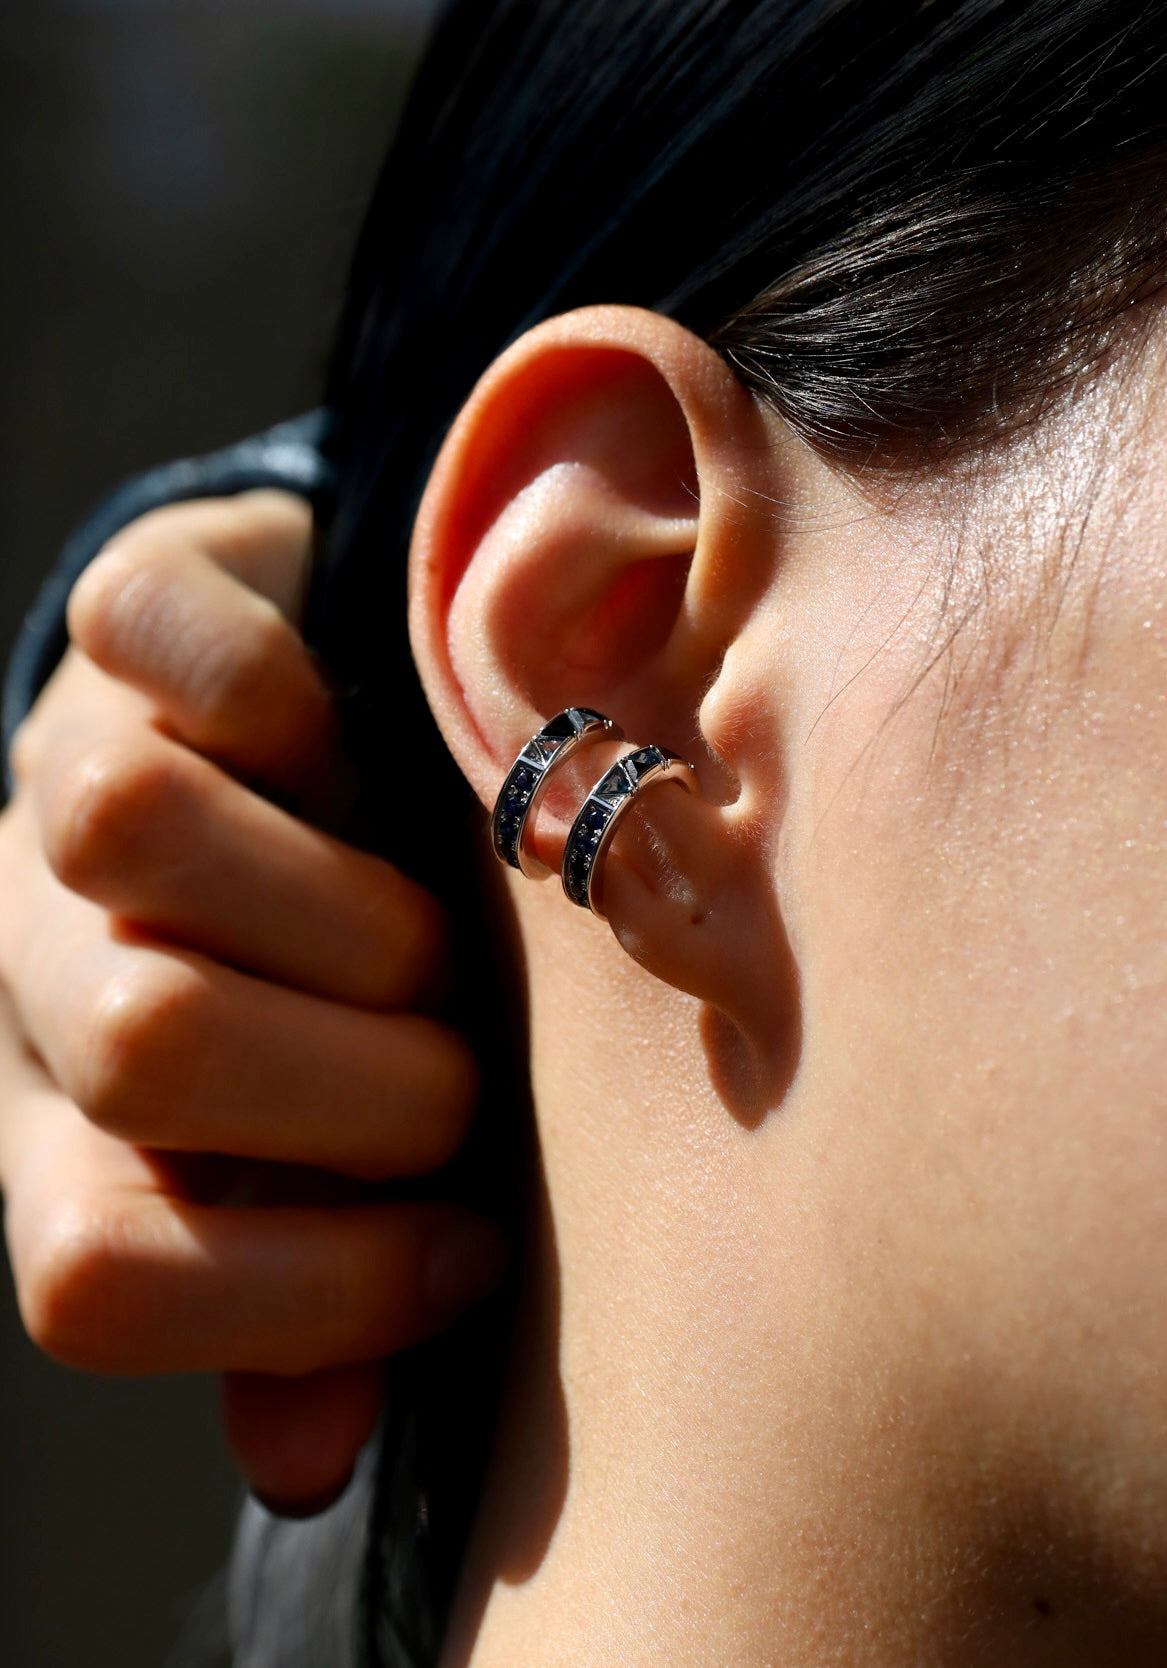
595	821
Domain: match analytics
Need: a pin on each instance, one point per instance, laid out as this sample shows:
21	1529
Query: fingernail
466	1262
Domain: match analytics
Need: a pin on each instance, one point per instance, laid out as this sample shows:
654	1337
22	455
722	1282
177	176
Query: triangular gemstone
615	784
645	759
559	728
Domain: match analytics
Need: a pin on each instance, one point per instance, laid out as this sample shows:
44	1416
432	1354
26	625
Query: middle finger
157	835
168	1049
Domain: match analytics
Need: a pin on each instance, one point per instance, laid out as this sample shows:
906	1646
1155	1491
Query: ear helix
587	844
526	782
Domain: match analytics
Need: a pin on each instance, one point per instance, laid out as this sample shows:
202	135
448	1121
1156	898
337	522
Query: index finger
172	609
263	537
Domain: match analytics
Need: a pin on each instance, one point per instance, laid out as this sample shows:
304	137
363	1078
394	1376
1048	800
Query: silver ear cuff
526	781
592	831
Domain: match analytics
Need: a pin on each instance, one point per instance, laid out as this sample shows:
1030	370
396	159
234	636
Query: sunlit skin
199	985
847	1338
842	1335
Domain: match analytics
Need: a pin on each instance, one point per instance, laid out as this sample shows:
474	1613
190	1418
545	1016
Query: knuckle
426	933
338	1302
137	1044
436	1143
407	936
70	1275
243	676
242	522
264	686
114	597
95	814
440	1130
464	1084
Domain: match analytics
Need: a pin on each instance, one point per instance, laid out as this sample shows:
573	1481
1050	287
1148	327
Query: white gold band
592	831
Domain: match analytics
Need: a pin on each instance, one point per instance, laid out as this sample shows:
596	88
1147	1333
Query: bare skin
844	1335
847	1341
219	1025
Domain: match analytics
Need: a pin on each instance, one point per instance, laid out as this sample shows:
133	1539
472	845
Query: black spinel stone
645	759
559	728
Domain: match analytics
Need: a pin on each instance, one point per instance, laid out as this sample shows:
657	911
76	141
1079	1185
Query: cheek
984	957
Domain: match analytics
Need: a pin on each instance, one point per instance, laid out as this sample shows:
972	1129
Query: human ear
596	532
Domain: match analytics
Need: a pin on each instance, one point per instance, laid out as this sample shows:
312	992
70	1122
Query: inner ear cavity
628	622
573	589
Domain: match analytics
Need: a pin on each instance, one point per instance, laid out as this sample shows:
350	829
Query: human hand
195	976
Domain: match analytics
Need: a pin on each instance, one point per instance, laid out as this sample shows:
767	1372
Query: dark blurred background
181	182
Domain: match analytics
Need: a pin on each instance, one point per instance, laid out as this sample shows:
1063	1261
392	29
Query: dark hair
908	224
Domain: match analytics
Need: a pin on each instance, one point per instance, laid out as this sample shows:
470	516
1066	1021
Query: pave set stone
520	784
599	810
523	778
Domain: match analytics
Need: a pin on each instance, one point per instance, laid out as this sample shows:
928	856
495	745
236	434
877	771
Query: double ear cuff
595	824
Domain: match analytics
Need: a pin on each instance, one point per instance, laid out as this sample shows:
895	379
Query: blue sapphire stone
577	882
595	819
518	790
581	852
615	784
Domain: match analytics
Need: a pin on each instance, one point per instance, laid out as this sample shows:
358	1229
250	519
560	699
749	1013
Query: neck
710	1452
